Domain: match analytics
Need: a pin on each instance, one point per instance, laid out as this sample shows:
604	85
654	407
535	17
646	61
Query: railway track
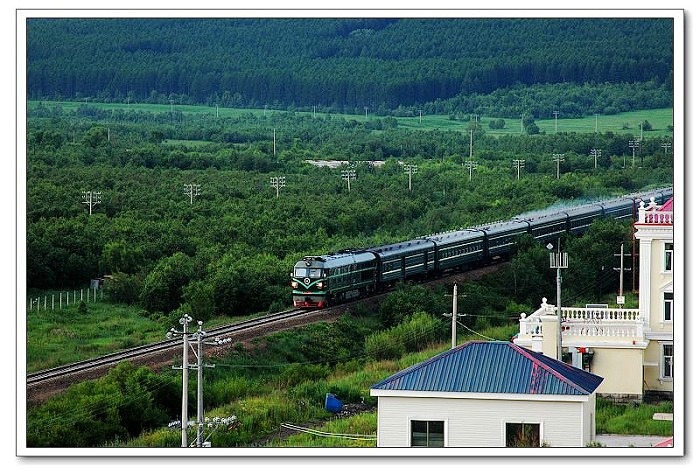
158	347
43	384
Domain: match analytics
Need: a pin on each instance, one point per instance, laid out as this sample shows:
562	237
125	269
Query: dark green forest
212	256
390	66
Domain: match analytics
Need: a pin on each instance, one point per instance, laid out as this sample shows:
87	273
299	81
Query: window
668	306
668	257
522	435
300	272
315	272
667	354
428	433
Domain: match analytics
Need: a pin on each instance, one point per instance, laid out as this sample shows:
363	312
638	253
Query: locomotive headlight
295	284
319	285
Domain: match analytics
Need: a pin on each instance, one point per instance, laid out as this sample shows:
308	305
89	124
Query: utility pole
471	142
518	164
595	153
633	144
200	379
454	315
621	269
558	158
274	142
92	198
186	338
665	146
278	182
184	321
556	115
471	165
410	170
596	123
348	175
192	190
558	260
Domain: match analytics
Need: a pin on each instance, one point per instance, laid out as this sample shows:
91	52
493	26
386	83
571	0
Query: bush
123	288
411	335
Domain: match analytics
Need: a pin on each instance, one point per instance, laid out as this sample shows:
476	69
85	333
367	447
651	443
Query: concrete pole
185	375
200	390
559	312
454	316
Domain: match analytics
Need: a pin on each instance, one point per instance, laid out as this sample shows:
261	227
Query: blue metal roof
493	367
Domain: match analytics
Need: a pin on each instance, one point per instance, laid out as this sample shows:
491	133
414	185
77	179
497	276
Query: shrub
413	334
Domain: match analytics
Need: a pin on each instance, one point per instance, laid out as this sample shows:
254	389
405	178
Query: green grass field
59	337
627	122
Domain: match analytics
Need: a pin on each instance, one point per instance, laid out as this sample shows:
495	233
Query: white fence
610	323
63	299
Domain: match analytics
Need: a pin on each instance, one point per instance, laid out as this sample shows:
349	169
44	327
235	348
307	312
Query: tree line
341	64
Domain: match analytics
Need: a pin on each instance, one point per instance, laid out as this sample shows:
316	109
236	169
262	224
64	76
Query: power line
410	170
471	165
633	144
518	165
192	190
348	175
187	338
558	158
92	198
278	182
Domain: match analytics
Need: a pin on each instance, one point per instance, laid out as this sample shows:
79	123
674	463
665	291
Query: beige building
632	349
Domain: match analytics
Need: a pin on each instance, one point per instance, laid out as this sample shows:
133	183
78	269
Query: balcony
655	215
584	327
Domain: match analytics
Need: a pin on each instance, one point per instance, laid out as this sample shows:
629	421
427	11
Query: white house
487	394
632	349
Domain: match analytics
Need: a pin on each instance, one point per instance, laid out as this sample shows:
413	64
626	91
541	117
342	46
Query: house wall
481	422
653	364
653	281
621	369
659	279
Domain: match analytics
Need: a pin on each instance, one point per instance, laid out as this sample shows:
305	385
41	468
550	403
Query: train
325	280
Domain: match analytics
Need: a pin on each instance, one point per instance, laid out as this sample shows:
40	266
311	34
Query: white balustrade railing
658	217
609	323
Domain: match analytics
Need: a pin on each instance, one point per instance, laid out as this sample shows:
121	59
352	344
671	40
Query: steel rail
48	374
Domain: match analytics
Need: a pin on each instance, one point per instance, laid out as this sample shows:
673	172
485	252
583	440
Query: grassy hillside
622	123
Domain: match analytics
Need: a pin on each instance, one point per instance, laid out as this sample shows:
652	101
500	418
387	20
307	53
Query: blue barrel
333	405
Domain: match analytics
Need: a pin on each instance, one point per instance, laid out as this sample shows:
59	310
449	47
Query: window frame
668	257
411	422
667	307
663	357
538	424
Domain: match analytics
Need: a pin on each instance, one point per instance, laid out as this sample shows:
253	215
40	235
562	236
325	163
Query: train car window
300	272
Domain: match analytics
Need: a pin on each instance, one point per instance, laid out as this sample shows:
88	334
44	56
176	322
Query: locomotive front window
315	272
300	272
